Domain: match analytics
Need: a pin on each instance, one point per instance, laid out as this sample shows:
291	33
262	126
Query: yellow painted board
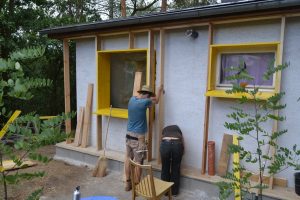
11	119
245	45
122	51
236	161
115	112
47	117
223	94
10	165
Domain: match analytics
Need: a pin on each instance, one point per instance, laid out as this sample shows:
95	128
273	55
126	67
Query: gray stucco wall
185	83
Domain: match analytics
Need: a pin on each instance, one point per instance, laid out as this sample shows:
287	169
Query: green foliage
27	133
36	194
249	125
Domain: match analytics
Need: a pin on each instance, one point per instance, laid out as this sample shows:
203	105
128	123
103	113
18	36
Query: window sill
223	94
115	112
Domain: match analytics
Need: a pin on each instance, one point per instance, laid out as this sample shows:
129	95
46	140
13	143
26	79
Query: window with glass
256	65
115	79
256	58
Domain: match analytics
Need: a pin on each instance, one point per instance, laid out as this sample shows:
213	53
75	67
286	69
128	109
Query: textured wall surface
185	84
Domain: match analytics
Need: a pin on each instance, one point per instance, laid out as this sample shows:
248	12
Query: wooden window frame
214	64
103	82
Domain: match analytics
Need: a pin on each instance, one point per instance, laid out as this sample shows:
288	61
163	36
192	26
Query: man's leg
129	155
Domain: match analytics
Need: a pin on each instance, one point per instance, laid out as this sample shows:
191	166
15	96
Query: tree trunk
163	6
123	8
111	9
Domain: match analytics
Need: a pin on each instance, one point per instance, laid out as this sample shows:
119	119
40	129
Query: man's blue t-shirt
137	121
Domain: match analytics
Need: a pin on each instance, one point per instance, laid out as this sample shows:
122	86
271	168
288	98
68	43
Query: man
137	128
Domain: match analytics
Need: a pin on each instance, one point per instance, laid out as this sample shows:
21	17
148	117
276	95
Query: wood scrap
224	155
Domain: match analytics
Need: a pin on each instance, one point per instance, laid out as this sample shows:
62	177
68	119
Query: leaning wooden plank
137	83
87	117
11	119
11	165
78	132
224	155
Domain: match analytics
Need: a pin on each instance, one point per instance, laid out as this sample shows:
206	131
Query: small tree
249	125
26	134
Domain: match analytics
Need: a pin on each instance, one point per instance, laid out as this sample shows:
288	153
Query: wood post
207	106
66	57
99	117
151	82
162	98
276	113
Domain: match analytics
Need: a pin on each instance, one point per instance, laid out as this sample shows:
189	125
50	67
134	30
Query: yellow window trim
223	94
216	49
103	82
115	112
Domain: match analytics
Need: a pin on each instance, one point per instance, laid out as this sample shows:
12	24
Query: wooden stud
67	86
275	124
98	117
78	132
87	117
207	106
161	100
131	40
151	82
224	155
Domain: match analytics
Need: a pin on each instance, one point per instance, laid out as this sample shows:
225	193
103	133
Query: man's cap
147	89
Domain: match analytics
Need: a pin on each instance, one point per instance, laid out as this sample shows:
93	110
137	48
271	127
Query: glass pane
256	65
123	68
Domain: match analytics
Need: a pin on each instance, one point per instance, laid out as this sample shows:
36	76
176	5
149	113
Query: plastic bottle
76	194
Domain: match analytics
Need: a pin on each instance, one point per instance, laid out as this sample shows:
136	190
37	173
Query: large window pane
256	65
123	68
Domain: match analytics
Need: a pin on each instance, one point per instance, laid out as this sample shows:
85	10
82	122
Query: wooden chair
148	187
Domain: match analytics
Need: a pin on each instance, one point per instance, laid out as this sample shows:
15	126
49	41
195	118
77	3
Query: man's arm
156	98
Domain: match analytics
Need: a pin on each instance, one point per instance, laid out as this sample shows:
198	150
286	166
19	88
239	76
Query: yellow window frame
103	82
217	49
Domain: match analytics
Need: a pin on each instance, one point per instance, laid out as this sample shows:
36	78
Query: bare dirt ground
60	177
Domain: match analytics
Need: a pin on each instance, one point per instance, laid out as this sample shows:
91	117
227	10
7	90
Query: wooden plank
151	62
67	86
10	120
162	99
78	132
98	117
131	40
8	165
207	106
224	155
275	124
277	181
137	83
87	117
236	165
